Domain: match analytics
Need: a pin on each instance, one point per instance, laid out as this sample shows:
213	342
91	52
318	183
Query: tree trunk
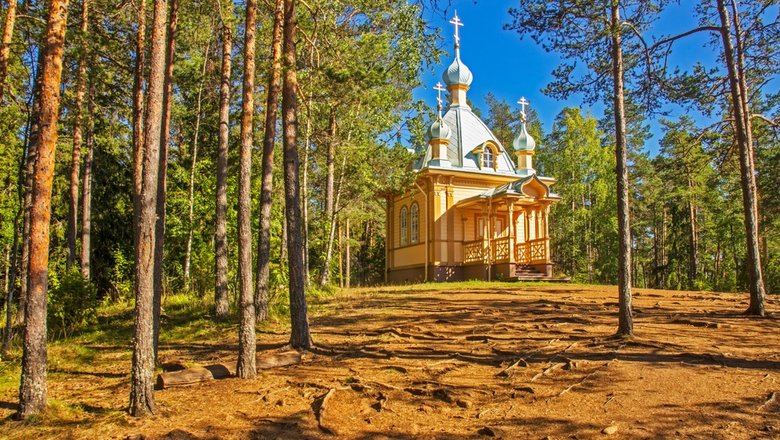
86	188
5	49
269	138
625	319
300	337
222	305
693	249
341	255
162	178
33	390
75	164
191	191
347	257
735	64
330	177
9	300
246	332
305	189
138	115
142	382
32	157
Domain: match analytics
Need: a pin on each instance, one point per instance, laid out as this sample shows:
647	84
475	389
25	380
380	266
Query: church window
488	158
415	221
404	226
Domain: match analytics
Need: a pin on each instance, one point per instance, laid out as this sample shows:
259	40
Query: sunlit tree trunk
222	305
5	49
142	380
138	114
300	337
78	130
625	317
246	330
735	65
86	189
33	389
269	140
162	179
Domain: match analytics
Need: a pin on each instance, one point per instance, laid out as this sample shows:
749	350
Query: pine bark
33	389
32	157
5	49
138	114
162	179
741	108
142	381
300	337
625	318
245	368
330	177
78	134
221	302
269	141
86	189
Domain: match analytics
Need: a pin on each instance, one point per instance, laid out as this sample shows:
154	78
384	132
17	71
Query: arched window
415	215
487	158
404	227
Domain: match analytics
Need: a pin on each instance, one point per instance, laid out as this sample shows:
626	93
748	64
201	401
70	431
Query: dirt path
530	362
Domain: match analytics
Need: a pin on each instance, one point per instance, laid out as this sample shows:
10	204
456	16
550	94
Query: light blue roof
524	141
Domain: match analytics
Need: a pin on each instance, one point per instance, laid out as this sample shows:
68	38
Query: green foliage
72	303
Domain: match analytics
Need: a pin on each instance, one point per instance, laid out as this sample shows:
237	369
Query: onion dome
524	141
458	73
439	130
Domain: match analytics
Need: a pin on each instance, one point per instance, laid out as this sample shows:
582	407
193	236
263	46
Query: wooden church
476	210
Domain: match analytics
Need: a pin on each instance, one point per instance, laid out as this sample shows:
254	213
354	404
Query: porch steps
527	273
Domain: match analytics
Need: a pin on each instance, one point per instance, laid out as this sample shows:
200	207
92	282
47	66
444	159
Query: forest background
358	63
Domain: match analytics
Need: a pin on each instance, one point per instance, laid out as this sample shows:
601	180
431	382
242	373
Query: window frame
403	226
414	223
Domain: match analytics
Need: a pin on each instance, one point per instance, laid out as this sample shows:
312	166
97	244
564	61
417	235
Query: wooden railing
501	249
531	252
474	251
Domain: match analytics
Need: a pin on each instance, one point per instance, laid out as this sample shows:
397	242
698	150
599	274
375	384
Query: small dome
524	141
457	73
439	130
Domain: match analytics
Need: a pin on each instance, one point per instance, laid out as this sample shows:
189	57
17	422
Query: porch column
547	233
511	225
485	232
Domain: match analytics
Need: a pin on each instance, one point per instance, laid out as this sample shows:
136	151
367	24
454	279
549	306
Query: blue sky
509	67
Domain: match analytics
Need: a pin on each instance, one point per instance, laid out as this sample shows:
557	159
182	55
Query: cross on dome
439	88
523	102
457	23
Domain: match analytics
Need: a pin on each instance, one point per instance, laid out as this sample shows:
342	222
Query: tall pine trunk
138	115
86	188
5	49
32	157
330	177
625	318
246	330
78	134
33	389
735	64
221	302
162	179
142	382
300	337
266	190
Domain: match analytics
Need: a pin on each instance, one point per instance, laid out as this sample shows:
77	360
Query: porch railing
474	251
501	249
531	252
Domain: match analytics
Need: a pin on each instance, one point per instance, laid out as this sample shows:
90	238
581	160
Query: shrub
72	303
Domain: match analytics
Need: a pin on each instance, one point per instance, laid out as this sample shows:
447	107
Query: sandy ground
530	361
